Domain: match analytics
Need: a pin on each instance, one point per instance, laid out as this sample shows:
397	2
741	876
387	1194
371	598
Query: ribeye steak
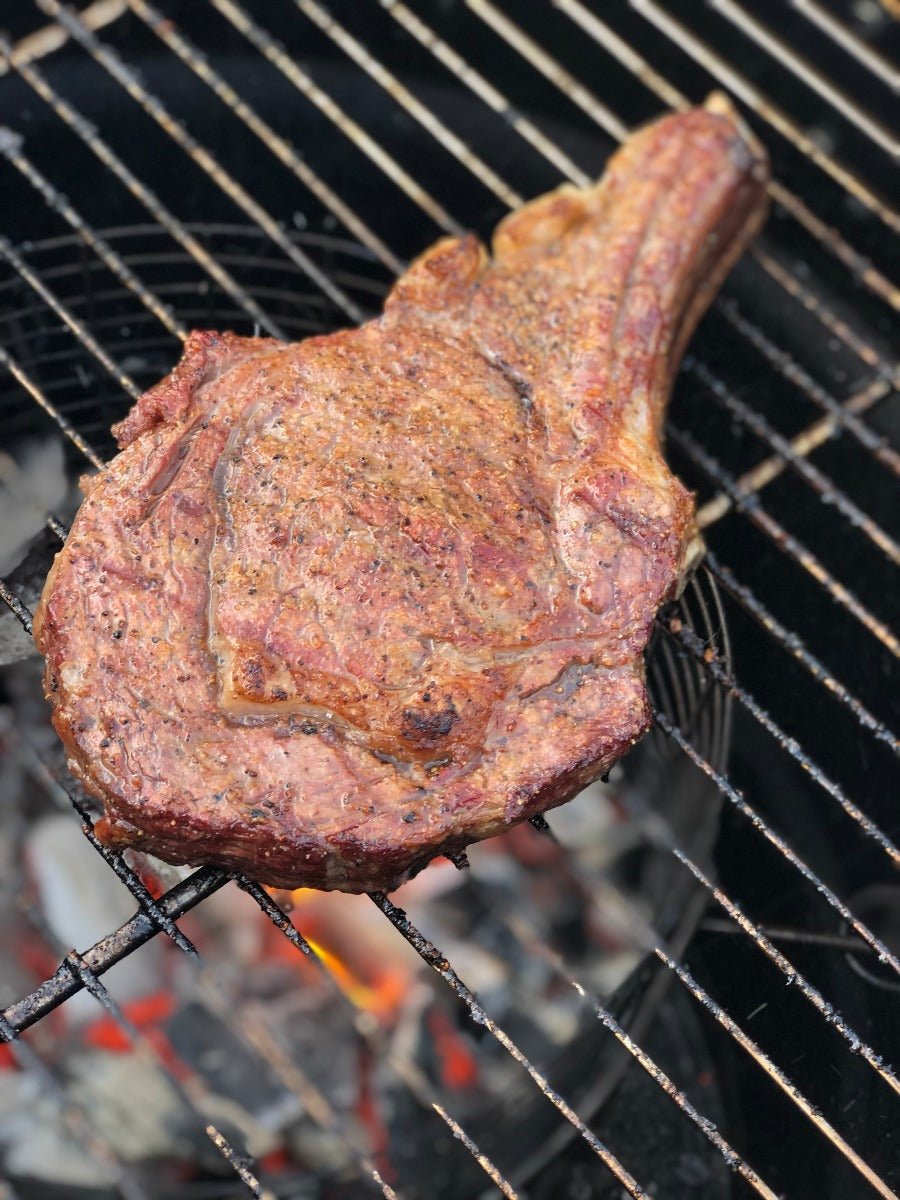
341	605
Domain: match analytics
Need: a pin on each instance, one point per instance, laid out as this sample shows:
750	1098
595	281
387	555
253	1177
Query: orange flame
369	983
382	997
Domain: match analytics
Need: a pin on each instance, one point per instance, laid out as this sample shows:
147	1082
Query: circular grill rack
680	685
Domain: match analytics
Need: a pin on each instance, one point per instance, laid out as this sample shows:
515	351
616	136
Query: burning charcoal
232	1074
132	1105
81	906
35	1146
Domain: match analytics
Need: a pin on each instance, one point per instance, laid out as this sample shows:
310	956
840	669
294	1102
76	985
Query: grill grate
733	495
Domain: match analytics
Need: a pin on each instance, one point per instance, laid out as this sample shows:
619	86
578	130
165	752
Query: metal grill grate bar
751	507
682	37
68	318
431	955
848	41
777	1075
884	1070
730	792
239	1164
52	411
484	90
80	970
697	648
275	54
297	1081
791	641
803	444
113	858
671	96
404	97
817	480
483	1161
814	79
147	198
180	46
535	945
550	68
10	148
105	57
791	370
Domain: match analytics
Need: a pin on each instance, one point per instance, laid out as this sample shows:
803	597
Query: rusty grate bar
106	953
113	858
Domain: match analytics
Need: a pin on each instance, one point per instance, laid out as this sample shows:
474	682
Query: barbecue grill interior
269	167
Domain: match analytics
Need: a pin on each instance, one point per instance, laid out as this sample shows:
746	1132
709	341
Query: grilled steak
339	606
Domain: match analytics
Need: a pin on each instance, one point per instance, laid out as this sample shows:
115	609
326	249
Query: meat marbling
342	605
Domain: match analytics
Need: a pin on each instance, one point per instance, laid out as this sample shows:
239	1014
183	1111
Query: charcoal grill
270	167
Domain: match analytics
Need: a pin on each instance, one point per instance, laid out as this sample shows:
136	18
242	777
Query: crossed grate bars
743	495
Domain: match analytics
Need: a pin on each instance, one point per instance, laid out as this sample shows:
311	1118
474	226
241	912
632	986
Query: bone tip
721	105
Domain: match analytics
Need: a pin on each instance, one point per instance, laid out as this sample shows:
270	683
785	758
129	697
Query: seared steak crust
339	606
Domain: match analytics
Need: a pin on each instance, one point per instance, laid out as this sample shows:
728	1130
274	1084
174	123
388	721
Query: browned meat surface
342	605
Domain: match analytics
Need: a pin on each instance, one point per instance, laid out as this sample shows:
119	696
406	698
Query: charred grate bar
733	493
